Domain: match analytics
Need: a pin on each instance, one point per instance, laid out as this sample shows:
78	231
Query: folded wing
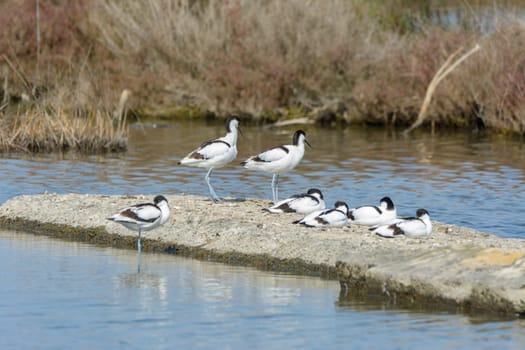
140	213
206	151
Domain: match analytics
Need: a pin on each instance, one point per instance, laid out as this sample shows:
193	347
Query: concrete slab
454	266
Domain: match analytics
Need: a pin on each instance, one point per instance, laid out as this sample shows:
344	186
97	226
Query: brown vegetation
40	130
269	59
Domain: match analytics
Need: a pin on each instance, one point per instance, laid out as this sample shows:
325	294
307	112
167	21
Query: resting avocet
215	153
338	216
304	203
279	160
372	214
410	227
144	217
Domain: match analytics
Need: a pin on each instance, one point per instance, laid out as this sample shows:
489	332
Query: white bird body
373	215
279	160
304	203
337	216
215	153
143	217
411	227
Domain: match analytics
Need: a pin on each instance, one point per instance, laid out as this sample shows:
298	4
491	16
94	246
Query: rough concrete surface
456	266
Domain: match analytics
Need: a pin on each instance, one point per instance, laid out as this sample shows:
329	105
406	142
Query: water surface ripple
68	295
460	178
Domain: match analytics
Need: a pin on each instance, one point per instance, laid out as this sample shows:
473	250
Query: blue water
460	178
64	295
59	295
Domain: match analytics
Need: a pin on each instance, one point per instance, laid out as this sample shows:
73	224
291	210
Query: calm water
483	15
459	178
69	295
63	295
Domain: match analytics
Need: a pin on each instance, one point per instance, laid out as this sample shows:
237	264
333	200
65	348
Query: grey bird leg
138	242
275	190
213	195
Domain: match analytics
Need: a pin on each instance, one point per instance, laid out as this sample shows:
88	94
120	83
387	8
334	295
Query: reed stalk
442	72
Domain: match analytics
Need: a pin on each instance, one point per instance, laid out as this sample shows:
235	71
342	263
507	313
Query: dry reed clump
52	94
394	92
70	112
495	80
487	90
41	130
247	55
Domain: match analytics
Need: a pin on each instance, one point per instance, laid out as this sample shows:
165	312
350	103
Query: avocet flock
217	153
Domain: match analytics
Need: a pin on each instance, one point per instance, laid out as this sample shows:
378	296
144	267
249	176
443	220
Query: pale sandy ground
454	263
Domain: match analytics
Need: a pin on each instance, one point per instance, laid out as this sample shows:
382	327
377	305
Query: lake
465	179
65	295
59	294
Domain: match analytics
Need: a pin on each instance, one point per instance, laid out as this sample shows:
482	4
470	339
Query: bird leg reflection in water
139	261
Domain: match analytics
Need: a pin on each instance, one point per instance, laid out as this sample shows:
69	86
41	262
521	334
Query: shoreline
454	267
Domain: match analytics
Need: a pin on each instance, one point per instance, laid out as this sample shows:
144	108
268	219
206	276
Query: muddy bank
455	266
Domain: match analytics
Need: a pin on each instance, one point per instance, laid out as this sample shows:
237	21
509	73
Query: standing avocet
338	216
144	217
373	215
215	153
410	227
279	160
304	203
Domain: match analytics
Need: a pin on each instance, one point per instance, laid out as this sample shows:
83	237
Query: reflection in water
440	328
281	296
60	295
365	302
461	178
154	288
215	290
483	15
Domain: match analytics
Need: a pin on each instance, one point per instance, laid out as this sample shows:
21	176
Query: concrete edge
361	282
356	281
100	236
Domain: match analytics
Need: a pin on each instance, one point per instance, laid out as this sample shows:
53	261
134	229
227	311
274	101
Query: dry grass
53	94
485	90
368	63
497	78
251	56
40	130
258	57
